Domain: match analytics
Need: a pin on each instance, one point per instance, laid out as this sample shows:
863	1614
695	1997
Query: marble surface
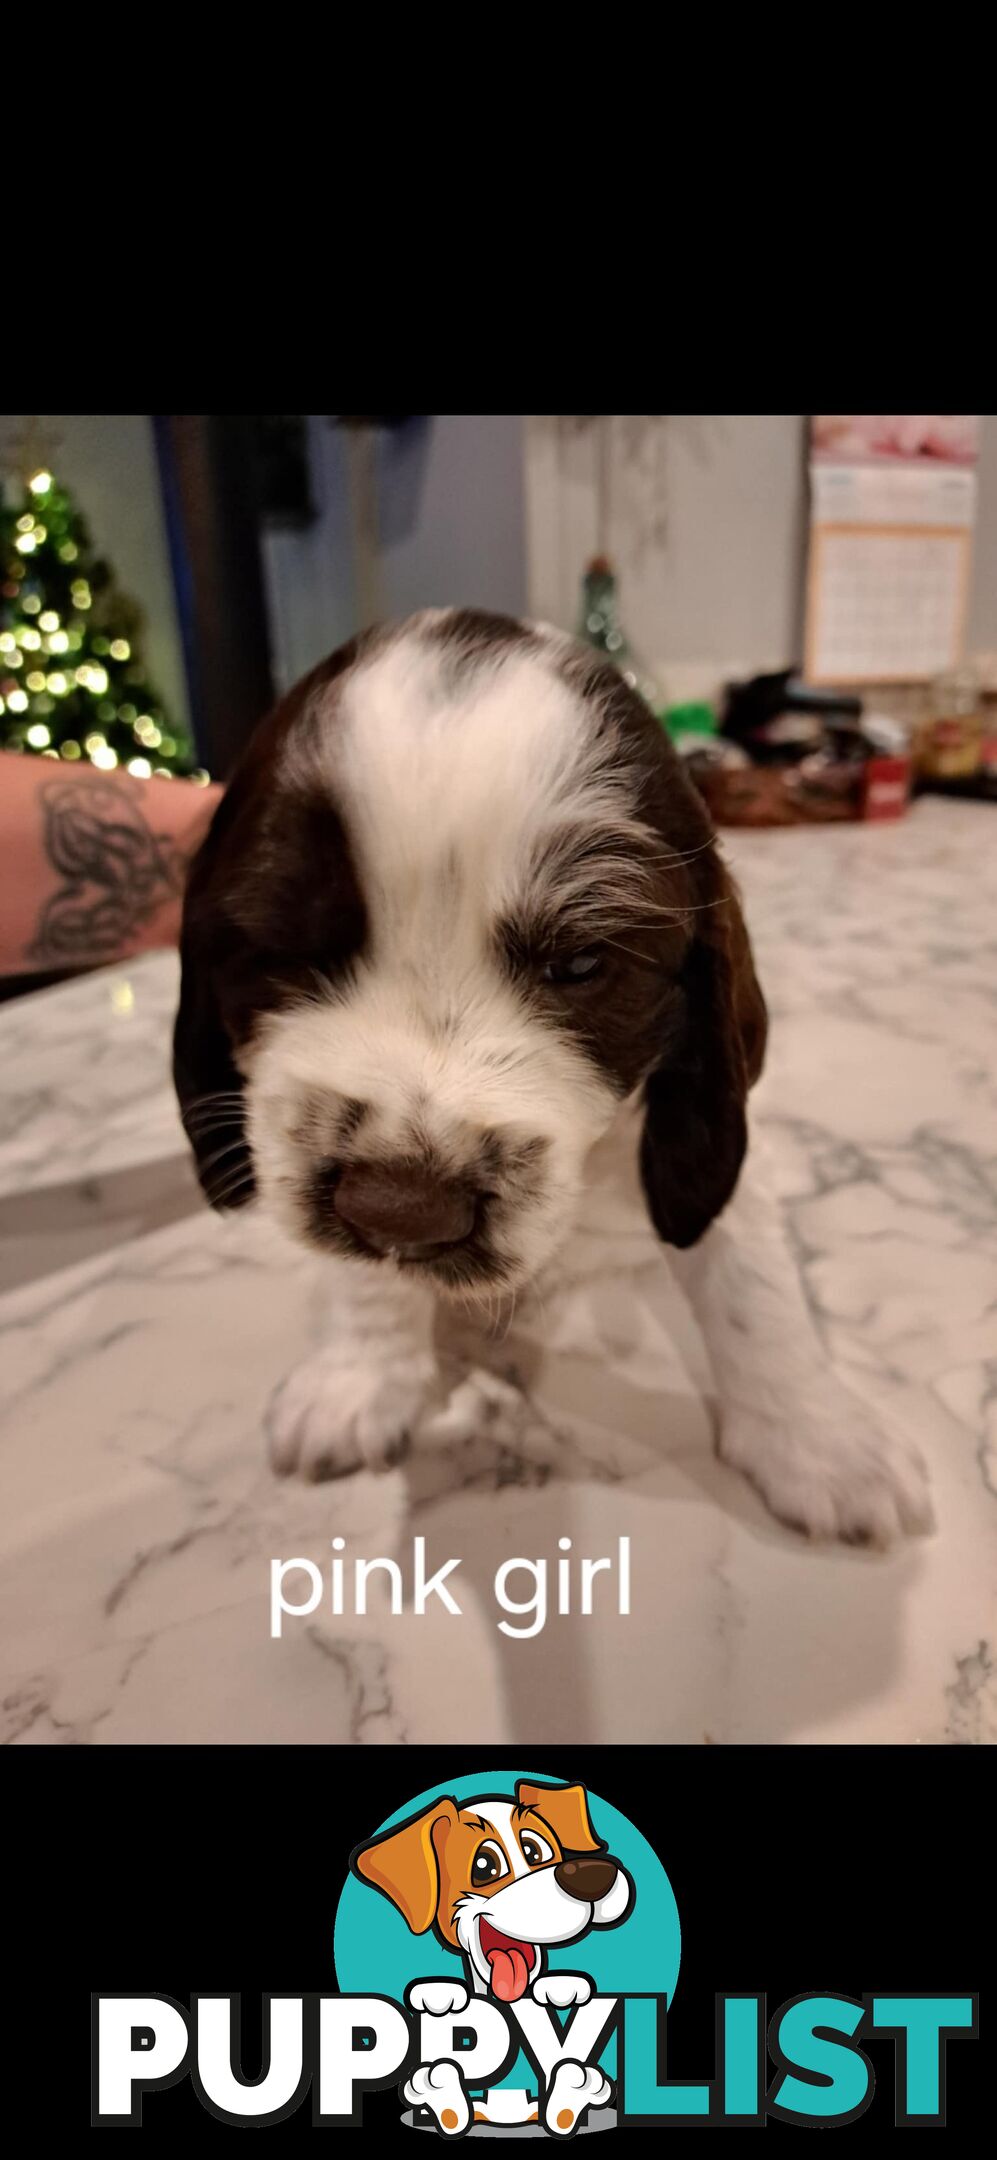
141	1338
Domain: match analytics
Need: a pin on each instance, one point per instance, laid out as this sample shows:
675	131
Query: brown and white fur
458	911
501	1879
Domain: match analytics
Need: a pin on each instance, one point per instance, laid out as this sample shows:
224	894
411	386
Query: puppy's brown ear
695	1128
566	1809
405	1864
253	892
209	1085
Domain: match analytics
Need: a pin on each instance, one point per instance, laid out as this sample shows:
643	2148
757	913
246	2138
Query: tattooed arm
91	864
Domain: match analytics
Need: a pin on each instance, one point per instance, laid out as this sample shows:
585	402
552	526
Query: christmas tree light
72	682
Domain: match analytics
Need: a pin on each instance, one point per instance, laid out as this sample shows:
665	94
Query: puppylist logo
505	1953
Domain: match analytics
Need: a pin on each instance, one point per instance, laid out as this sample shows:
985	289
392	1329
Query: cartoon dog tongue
510	1972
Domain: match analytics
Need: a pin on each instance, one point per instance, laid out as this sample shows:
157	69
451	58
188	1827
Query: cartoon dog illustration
502	1879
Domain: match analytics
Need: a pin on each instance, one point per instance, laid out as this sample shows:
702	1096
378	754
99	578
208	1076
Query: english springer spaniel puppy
459	909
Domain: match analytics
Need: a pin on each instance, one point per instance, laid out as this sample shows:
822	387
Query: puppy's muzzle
404	1209
585	1878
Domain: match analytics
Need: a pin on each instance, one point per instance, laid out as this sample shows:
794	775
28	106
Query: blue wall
451	520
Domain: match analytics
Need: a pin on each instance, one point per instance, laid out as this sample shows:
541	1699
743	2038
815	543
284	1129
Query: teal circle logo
376	1952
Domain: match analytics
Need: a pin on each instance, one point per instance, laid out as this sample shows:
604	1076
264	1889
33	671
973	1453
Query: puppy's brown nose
403	1208
588	1878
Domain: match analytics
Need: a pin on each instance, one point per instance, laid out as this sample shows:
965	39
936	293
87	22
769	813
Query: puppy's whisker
236	1180
222	1095
644	959
699	907
220	1153
235	1173
509	1317
690	854
227	1199
209	1120
201	1136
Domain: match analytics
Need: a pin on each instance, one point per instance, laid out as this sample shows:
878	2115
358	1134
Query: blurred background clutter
808	604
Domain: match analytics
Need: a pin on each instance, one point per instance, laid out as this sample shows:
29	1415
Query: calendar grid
885	603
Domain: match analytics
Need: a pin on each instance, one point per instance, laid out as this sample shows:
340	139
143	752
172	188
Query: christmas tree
72	683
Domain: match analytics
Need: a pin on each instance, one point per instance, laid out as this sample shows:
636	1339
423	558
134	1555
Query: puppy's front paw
440	2088
831	1471
333	1415
562	1989
574	2088
441	1998
481	1406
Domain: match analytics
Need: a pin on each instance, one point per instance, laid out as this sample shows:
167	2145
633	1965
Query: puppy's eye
535	1850
571	968
488	1864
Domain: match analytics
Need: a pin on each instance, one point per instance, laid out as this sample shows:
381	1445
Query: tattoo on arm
115	871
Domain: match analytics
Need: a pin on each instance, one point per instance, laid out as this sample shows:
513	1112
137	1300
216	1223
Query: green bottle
600	627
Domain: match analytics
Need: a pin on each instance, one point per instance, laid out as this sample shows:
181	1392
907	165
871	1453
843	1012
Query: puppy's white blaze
498	1814
427	775
449	800
447	796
